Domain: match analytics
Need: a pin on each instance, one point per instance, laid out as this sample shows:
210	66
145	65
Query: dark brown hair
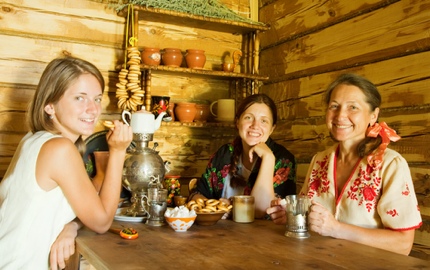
373	98
57	77
237	180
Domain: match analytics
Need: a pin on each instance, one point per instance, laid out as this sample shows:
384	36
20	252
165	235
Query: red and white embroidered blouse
381	197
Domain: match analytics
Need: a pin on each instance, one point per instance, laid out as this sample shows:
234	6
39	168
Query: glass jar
173	186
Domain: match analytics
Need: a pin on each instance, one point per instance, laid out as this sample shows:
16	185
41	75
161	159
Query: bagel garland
208	206
129	92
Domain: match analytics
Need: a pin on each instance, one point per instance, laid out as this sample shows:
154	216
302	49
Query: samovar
143	166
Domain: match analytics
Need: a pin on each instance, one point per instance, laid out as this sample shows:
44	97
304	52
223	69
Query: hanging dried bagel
129	91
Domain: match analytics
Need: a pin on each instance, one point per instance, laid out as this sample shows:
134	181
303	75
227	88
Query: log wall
33	32
311	42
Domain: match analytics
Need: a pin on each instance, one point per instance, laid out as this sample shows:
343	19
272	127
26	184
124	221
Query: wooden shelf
203	72
195	21
198	124
246	82
200	72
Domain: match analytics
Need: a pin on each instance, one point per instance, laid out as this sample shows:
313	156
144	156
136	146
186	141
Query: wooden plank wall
33	32
311	42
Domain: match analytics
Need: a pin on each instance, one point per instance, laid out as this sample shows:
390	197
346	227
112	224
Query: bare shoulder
59	145
58	150
57	161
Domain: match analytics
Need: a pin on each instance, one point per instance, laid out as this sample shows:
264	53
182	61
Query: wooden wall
33	32
311	42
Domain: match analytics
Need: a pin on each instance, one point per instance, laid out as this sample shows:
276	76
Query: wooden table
230	245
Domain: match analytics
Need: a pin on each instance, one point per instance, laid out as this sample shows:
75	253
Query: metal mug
297	209
157	202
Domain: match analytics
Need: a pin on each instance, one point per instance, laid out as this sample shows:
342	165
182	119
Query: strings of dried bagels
129	92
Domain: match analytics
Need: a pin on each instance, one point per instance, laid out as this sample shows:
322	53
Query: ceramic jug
143	121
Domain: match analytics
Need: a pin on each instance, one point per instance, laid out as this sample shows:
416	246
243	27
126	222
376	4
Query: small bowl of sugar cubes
180	218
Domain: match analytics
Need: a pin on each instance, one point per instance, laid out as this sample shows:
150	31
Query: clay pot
151	56
172	57
202	113
185	112
195	58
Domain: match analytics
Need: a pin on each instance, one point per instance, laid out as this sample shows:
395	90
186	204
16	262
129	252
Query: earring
51	116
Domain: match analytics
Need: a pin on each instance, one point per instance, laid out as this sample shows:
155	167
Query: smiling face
348	114
255	125
77	111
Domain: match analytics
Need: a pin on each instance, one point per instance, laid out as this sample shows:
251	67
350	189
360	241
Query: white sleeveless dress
30	218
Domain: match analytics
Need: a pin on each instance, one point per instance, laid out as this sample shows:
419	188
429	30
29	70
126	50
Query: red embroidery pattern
318	182
281	175
406	192
365	188
392	213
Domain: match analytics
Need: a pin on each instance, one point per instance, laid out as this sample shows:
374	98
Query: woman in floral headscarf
253	164
360	190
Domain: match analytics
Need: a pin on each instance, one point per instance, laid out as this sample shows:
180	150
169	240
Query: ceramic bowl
209	218
180	200
180	224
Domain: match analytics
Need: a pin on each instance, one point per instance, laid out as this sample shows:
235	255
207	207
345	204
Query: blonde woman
46	185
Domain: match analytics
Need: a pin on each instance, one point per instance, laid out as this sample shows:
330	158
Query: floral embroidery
282	172
369	193
392	213
319	182
406	192
281	175
365	188
215	177
225	170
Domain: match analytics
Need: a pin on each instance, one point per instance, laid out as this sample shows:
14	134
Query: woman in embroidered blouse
253	164
360	190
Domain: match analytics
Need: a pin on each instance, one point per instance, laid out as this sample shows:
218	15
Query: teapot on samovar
142	166
143	122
